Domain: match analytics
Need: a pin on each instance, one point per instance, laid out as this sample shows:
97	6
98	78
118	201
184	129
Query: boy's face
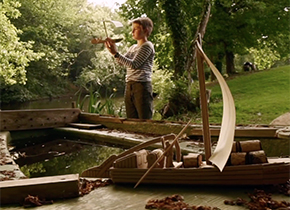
138	31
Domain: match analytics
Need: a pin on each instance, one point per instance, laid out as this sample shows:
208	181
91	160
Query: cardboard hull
256	174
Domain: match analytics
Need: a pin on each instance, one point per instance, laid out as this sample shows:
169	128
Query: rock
283	120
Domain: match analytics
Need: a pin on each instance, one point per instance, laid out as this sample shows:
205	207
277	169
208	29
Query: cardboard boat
246	166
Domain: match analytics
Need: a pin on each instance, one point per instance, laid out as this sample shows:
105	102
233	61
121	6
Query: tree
236	26
175	18
61	33
102	74
15	55
50	24
175	24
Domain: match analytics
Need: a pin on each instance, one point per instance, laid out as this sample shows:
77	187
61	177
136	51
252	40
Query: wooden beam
11	120
110	137
48	188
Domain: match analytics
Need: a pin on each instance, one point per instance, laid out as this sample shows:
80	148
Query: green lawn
260	97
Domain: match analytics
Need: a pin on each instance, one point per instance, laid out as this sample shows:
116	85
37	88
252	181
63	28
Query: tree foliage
175	25
103	73
51	25
237	26
15	55
56	36
175	18
234	28
45	43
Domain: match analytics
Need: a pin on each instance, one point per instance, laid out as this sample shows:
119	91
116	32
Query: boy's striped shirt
139	62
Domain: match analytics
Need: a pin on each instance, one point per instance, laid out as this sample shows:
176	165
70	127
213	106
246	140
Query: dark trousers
139	100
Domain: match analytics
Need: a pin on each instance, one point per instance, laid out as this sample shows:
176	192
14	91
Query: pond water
64	156
63	102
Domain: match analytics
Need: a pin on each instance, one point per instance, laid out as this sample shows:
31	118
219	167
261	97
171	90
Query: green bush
173	97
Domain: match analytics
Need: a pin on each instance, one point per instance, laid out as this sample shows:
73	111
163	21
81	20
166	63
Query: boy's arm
135	63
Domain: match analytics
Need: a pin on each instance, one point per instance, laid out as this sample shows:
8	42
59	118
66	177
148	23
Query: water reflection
67	157
63	102
72	162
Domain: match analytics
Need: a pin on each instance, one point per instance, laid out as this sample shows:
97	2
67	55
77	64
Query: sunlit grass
260	97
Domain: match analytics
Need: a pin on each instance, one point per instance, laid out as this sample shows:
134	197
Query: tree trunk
200	30
175	21
230	62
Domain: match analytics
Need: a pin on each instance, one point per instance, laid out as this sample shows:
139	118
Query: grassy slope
259	97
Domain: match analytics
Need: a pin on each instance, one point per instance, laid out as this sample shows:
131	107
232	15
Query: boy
138	61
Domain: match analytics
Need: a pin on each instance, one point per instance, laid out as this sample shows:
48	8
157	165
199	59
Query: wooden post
105	28
204	107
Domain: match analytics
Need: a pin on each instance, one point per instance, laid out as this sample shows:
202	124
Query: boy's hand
110	44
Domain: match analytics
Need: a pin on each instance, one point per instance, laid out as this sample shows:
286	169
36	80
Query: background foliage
45	48
15	54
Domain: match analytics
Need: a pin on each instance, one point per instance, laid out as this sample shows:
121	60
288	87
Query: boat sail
227	132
